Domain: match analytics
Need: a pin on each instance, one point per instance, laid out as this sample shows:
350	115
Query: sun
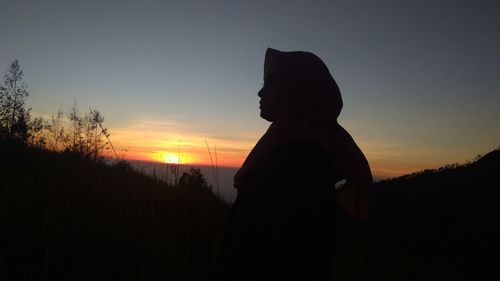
171	158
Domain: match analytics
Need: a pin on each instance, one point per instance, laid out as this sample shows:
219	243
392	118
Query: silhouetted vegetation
76	133
14	117
70	218
450	213
67	217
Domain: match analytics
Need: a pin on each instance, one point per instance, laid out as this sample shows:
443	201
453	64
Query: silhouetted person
281	226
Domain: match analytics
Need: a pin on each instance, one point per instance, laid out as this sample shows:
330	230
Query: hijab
314	120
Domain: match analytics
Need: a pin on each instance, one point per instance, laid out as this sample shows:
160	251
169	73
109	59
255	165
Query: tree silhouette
14	117
194	180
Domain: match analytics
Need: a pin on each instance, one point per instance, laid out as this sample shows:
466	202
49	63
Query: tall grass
215	168
63	217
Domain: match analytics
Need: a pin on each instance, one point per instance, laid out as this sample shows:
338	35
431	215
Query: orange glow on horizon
380	169
173	143
170	142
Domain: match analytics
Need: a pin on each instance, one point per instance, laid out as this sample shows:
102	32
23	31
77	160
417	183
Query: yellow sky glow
167	142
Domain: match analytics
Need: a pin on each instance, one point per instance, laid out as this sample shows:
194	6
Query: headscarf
315	120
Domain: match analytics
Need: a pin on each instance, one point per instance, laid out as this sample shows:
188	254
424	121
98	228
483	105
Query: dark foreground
67	218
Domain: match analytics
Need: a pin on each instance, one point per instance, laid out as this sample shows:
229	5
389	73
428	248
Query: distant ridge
487	161
492	158
441	189
451	211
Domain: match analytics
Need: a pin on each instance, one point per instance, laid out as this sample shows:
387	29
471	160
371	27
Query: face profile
277	98
271	101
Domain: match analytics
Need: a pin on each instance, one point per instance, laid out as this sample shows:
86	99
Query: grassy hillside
446	206
67	218
63	217
448	214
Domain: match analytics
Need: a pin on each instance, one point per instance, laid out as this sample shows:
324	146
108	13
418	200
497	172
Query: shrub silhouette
194	179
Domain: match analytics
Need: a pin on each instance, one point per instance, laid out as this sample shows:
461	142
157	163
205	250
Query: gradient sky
420	79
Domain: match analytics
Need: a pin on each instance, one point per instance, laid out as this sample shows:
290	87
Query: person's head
294	81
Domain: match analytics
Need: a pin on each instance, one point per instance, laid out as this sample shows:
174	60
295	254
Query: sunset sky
420	79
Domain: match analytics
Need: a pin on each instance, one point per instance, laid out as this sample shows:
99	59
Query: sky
419	79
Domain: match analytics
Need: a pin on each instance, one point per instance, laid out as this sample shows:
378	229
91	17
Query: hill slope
451	211
65	217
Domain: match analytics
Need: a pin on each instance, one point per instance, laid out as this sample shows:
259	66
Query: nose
261	92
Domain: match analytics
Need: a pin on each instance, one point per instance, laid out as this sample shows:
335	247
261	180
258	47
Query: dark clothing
281	225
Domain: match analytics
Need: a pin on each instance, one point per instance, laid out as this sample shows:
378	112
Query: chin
266	116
